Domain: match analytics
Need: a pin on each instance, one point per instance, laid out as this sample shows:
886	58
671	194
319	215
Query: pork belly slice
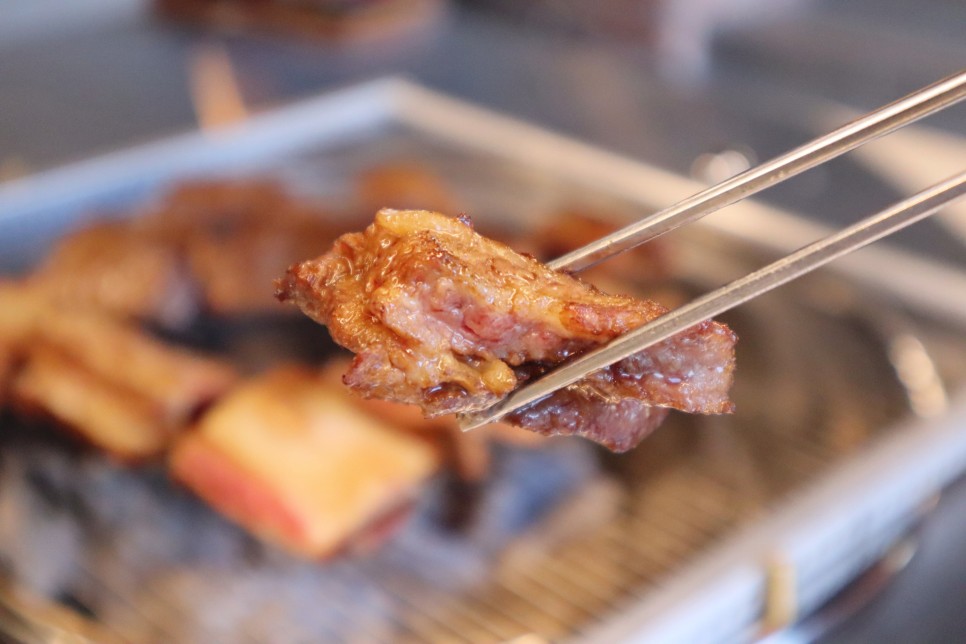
122	424
443	318
298	465
108	382
178	382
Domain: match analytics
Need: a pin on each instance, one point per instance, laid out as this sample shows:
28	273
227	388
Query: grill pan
713	521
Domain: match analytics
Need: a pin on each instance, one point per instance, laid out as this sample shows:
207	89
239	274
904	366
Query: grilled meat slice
443	318
122	424
299	465
406	186
113	266
236	235
103	379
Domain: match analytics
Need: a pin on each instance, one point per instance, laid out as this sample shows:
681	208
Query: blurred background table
697	86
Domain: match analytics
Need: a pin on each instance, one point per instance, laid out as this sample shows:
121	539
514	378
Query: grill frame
720	593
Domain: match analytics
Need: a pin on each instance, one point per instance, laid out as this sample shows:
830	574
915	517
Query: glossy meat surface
443	318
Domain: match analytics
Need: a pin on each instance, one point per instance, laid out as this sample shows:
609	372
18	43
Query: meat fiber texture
441	317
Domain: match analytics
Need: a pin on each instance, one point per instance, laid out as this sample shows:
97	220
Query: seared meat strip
443	318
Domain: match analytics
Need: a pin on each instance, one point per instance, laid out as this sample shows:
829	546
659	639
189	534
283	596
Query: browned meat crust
443	318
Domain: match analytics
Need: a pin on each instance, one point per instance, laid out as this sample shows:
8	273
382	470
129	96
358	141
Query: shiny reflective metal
888	118
874	124
727	297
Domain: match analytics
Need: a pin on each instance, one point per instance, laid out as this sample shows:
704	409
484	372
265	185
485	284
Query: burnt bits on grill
441	317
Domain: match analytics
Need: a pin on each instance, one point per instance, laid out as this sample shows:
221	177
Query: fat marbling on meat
441	317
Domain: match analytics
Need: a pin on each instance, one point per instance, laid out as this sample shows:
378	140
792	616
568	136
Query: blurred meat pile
91	342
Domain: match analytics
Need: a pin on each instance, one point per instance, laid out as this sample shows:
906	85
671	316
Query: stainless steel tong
913	107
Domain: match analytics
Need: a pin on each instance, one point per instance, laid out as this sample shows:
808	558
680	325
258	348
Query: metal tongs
886	119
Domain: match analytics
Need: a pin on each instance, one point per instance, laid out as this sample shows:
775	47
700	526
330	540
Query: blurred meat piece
21	305
443	318
110	383
570	229
405	187
6	370
298	465
467	453
236	271
642	272
371	21
236	236
100	412
215	205
116	267
208	244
